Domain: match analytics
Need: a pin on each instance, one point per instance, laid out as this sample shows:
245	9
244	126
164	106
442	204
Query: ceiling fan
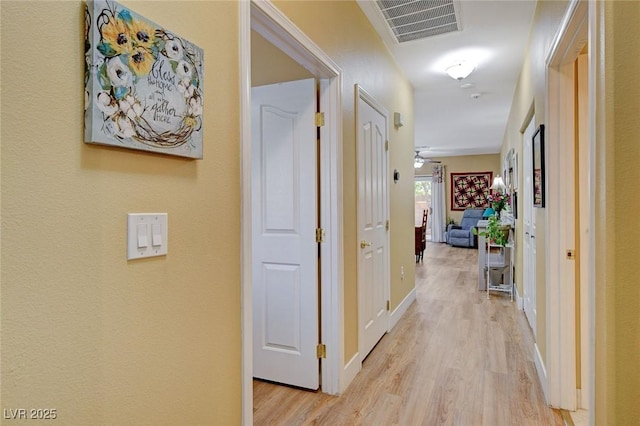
419	160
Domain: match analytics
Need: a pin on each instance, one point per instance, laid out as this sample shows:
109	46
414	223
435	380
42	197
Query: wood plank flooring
455	358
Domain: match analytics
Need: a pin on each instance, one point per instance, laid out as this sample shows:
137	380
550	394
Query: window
423	201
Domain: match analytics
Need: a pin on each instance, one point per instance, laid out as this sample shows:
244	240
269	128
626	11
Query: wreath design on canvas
148	80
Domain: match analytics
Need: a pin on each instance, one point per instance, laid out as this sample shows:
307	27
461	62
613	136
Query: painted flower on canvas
144	81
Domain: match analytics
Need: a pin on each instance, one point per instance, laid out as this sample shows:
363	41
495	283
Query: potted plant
495	233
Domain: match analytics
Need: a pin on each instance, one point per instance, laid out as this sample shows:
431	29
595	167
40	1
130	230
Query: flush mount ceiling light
460	70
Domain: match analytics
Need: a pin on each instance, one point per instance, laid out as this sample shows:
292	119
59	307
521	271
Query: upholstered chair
462	235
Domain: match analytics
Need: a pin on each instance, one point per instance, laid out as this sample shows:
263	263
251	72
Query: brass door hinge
319	119
387	226
319	235
388	305
321	351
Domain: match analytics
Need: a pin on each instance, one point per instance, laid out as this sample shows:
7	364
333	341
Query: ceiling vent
417	19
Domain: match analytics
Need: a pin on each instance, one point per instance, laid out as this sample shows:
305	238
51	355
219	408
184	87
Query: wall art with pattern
143	83
470	190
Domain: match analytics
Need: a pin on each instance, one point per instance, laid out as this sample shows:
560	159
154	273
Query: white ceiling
448	120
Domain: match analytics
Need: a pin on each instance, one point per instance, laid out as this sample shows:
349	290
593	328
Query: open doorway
570	288
273	26
284	218
422	193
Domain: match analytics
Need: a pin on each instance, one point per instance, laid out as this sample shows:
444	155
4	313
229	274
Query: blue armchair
462	235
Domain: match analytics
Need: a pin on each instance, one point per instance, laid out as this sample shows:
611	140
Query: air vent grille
416	19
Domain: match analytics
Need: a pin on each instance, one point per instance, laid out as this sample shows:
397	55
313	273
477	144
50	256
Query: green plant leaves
495	232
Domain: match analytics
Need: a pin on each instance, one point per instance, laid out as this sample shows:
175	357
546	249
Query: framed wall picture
513	171
143	83
538	167
470	190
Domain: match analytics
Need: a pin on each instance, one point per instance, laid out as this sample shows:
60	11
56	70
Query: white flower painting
143	84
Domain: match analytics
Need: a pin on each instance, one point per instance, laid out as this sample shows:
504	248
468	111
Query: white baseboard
542	372
402	308
353	367
350	371
519	300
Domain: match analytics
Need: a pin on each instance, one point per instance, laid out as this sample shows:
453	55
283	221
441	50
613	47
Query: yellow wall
461	164
343	32
617	324
625	288
157	341
530	93
101	339
154	341
270	65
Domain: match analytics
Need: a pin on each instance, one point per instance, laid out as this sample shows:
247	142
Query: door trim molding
272	24
560	274
600	257
529	278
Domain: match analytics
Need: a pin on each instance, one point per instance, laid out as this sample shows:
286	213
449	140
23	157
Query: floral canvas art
143	84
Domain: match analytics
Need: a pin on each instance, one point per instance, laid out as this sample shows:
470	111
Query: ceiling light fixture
460	70
417	161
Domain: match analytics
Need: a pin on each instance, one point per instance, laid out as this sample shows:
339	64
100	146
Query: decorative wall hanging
538	167
143	84
470	190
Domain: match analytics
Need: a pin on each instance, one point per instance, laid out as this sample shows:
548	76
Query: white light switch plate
154	223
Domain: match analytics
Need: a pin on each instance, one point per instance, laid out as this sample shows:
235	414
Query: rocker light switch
156	234
147	235
143	239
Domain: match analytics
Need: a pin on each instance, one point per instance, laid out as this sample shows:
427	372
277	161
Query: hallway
455	358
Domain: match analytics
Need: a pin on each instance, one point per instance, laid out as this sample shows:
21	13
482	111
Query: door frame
527	189
362	94
272	24
560	388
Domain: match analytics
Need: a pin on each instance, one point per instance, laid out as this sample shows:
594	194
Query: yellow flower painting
142	34
116	34
141	61
143	83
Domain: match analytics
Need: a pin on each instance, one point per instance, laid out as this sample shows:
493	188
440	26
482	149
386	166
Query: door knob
364	244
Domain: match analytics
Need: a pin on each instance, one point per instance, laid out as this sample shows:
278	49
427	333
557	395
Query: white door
529	240
284	218
373	243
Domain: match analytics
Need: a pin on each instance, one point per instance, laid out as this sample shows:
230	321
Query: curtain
438	205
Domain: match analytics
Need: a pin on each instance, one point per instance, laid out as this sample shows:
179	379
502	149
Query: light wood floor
455	358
